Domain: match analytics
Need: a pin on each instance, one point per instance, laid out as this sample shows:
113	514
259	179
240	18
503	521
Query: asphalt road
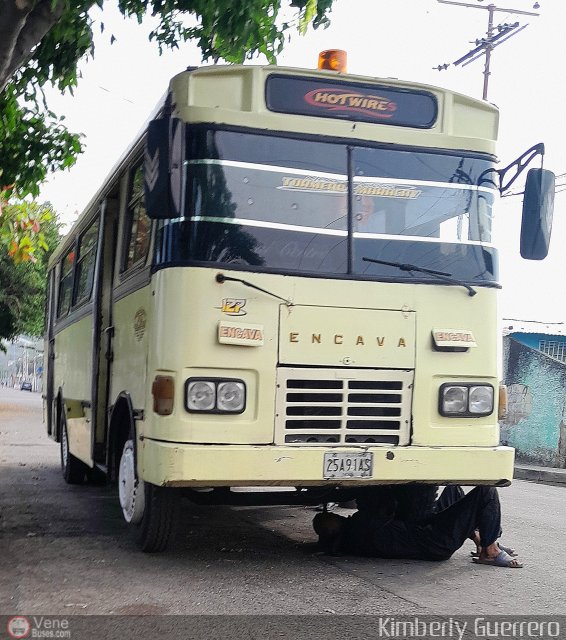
64	550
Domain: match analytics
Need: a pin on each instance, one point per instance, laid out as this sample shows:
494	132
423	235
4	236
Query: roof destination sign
351	101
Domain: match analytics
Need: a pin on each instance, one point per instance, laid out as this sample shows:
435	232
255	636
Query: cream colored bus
302	296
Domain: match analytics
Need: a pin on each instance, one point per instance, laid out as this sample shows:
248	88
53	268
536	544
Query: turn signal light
163	391
333	60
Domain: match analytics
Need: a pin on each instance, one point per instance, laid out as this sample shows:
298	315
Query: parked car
26	386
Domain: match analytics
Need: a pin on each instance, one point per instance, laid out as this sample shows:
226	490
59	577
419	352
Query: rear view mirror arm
519	165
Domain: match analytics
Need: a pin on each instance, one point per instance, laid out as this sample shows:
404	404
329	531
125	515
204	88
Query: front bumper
193	465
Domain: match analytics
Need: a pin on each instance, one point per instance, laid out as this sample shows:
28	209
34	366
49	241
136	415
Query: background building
534	370
22	361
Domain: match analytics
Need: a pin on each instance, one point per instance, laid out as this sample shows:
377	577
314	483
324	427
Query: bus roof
240	96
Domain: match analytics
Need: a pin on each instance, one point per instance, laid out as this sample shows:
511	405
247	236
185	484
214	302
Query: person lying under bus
380	534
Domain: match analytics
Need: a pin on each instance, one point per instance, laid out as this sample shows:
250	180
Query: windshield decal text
381	190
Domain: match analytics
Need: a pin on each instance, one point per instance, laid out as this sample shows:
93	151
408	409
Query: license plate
348	465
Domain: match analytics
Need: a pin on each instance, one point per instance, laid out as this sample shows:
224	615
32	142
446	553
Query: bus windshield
280	204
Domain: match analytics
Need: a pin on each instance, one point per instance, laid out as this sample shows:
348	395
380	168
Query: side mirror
538	207
164	178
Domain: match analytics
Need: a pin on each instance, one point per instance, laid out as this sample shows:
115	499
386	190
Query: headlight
231	396
215	395
201	395
465	400
480	400
455	400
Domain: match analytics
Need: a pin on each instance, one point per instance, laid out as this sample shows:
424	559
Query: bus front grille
343	406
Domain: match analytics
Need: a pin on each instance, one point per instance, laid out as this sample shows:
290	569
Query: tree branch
14	14
22	31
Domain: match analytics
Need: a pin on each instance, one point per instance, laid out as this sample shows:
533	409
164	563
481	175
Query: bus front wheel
149	510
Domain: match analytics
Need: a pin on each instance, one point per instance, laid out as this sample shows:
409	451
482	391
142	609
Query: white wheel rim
130	488
64	446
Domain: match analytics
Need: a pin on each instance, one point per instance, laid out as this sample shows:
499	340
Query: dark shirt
375	535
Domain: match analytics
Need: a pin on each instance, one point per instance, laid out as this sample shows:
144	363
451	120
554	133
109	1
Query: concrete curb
548	475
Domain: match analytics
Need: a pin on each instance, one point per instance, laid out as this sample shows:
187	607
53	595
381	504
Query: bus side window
138	224
66	283
85	263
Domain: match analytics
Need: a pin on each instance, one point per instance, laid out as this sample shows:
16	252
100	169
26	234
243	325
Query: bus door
103	330
131	297
49	359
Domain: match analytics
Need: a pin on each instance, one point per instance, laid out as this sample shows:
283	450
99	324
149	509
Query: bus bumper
191	465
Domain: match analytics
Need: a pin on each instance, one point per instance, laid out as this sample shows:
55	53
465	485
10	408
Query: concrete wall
536	419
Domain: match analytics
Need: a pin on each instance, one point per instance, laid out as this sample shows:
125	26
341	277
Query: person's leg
447	530
450	494
489	521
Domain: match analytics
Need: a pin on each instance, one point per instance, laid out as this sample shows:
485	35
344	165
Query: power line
495	36
559	188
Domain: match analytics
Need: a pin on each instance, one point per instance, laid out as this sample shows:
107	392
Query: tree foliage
33	141
22	283
42	42
22	229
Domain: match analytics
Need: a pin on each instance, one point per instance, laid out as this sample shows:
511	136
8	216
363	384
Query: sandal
502	559
509	550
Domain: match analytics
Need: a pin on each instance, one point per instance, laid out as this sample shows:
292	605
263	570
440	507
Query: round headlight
231	396
481	400
201	396
454	400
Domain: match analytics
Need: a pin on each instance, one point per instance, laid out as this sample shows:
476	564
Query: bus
285	292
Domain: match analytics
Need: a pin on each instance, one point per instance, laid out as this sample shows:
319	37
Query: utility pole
486	45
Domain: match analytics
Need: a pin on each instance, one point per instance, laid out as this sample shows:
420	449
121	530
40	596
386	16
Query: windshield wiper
220	278
441	275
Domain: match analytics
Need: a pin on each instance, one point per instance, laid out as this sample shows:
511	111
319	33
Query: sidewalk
548	475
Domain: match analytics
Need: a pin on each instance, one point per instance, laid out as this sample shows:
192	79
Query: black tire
157	527
73	470
151	515
96	477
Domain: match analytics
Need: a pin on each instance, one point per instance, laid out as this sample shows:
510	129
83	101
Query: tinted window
276	203
66	283
139	224
86	263
264	201
431	210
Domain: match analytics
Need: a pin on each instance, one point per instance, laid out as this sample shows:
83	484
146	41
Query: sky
402	39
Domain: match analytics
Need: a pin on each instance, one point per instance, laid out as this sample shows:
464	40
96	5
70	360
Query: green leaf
307	16
33	140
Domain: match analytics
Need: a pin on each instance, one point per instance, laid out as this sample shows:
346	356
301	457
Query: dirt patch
10	411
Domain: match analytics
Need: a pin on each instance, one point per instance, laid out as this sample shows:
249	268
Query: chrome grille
343	407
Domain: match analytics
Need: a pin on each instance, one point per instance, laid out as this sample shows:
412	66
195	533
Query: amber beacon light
333	60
